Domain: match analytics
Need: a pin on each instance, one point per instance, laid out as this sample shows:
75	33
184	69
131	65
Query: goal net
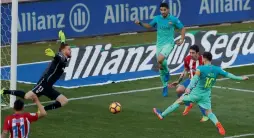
8	47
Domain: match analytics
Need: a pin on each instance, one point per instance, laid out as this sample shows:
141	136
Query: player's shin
212	117
53	106
15	92
166	70
170	109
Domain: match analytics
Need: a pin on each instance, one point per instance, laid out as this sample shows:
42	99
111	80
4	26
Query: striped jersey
191	65
19	124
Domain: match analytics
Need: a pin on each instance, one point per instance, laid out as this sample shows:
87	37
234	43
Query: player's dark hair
165	5
62	46
195	48
18	105
208	56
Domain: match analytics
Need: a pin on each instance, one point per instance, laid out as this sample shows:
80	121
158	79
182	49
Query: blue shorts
186	83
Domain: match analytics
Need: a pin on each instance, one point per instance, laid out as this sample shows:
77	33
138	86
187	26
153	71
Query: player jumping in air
51	75
191	62
165	24
199	90
18	124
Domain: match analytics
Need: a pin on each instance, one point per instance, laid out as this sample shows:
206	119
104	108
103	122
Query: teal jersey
165	29
207	78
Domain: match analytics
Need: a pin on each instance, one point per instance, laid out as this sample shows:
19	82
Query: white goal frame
14	49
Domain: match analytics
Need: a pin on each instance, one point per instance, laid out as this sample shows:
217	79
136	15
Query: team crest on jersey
33	114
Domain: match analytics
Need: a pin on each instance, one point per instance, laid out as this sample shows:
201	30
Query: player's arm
49	52
147	25
178	24
194	81
42	112
180	79
232	76
6	128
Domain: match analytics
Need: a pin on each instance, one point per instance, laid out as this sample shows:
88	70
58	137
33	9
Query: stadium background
89	24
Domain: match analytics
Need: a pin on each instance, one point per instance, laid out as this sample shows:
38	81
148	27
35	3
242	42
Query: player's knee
160	59
180	90
208	112
29	95
64	101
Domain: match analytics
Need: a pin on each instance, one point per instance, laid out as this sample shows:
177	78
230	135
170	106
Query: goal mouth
8	48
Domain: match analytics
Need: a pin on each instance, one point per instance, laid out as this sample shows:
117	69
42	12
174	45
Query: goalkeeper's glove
49	52
61	36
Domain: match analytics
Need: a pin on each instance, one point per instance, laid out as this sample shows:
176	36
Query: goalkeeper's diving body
45	84
165	25
199	90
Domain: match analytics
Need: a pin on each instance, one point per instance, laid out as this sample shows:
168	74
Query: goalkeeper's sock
53	106
170	109
212	117
15	92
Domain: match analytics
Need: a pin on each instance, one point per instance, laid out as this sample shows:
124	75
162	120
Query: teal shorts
203	101
165	50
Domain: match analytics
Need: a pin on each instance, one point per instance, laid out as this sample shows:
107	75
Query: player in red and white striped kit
18	124
191	62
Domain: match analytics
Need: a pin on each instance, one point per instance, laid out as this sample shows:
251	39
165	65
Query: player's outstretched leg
170	109
61	100
18	93
214	119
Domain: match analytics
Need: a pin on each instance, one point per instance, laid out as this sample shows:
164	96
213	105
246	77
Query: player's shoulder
173	18
63	58
217	68
29	114
200	58
156	17
9	117
187	58
202	68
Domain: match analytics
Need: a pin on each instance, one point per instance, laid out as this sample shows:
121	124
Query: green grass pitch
85	117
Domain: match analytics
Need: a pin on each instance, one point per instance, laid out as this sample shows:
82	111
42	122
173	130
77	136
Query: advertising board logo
79	17
175	7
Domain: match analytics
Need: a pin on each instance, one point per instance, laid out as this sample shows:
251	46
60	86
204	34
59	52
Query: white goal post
14	48
9	49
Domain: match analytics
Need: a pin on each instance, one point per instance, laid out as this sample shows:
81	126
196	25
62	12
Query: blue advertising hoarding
103	64
40	21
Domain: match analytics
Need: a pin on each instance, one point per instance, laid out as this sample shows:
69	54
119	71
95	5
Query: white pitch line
239	136
235	89
133	91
